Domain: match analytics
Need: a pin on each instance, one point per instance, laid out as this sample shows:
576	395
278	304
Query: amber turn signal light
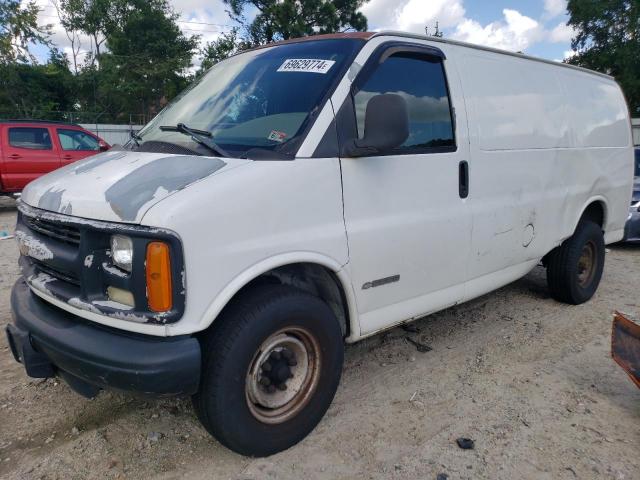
159	277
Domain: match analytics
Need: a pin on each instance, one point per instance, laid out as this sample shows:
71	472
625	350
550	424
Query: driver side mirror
103	146
386	126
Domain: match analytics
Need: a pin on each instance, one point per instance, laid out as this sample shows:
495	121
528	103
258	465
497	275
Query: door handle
463	179
15	156
67	157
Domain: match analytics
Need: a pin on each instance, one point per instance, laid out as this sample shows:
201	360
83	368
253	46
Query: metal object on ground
625	346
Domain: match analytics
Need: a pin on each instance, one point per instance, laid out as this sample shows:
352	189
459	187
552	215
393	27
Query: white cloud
562	33
554	8
413	15
515	32
195	19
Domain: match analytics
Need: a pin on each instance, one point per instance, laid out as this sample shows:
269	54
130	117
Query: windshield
263	98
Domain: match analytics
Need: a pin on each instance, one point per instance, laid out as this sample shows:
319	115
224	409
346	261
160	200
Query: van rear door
28	152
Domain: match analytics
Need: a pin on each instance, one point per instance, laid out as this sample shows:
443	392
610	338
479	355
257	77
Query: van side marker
381	281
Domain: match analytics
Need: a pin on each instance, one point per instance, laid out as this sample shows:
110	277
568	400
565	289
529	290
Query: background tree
138	59
90	17
19	27
139	55
223	47
148	56
32	91
284	19
608	40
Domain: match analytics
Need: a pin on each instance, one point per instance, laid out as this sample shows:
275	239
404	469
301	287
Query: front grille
63	256
56	273
59	231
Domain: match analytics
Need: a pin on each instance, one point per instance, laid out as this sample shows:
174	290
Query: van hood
120	185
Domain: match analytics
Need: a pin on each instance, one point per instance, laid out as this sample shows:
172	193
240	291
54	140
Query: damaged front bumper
49	341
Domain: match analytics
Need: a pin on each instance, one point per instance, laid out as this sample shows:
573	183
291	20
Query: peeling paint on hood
120	186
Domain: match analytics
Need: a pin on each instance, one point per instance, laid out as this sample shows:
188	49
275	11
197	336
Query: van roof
487	49
369	35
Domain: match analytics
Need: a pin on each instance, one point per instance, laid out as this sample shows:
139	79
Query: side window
28	137
77	140
421	81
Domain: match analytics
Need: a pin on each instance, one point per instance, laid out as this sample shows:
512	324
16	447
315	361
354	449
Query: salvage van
305	195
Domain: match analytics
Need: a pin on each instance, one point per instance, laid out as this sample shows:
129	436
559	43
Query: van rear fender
594	209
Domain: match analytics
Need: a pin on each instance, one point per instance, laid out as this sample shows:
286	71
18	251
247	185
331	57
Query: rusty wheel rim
587	264
283	375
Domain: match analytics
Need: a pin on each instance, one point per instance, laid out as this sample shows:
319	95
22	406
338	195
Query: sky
536	27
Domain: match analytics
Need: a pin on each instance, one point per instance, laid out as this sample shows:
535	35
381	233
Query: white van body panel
267	213
533	174
404	217
120	186
542	141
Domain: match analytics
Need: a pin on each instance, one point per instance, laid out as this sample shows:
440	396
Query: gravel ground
528	379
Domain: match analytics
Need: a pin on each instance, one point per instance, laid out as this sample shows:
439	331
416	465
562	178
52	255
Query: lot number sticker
309	65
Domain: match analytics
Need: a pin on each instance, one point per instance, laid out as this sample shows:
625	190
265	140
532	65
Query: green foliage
608	40
223	47
148	57
284	19
139	55
19	27
90	17
27	90
139	58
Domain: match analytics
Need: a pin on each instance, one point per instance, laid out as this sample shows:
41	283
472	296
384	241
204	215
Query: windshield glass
263	98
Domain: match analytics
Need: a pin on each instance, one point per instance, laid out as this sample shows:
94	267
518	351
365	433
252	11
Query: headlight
122	252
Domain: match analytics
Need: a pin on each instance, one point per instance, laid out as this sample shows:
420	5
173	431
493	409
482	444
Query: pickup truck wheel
574	269
272	364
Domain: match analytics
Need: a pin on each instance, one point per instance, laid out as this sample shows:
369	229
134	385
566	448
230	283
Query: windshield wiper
135	137
202	137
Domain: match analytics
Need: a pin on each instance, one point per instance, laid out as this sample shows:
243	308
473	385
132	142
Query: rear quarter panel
546	140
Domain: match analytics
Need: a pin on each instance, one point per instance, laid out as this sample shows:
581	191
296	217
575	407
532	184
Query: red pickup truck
31	148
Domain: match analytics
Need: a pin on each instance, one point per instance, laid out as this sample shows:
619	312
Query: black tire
230	350
568	279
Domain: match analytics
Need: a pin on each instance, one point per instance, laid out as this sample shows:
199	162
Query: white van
307	194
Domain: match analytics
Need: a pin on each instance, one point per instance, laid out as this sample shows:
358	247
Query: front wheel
272	364
574	269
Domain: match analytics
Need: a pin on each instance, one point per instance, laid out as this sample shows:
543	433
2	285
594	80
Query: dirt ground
528	379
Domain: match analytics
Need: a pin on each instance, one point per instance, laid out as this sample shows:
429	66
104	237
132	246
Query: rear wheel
272	364
574	269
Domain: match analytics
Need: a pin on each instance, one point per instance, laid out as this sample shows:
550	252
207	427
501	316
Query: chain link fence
76	117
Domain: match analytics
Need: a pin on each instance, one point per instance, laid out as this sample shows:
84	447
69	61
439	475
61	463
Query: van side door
407	220
28	153
523	174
